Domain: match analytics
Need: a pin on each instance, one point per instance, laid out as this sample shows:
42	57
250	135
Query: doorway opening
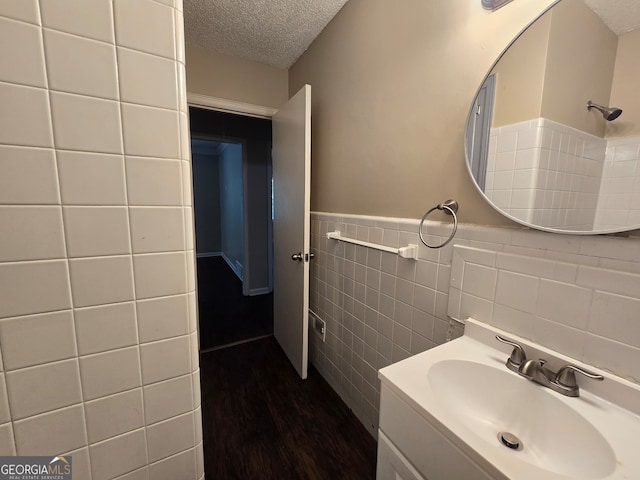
231	162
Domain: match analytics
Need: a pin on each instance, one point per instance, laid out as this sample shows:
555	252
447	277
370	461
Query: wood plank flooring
261	421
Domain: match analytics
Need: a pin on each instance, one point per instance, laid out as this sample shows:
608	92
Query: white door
291	154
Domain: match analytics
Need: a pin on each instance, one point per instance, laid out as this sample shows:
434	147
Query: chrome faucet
563	381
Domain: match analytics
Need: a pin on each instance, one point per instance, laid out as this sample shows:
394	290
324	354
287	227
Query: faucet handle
518	356
566	376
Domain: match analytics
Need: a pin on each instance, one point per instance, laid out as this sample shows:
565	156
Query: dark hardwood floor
261	421
226	316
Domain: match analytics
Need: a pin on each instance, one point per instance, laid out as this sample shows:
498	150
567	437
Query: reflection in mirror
535	149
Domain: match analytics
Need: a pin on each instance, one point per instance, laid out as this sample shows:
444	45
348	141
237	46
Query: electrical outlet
319	326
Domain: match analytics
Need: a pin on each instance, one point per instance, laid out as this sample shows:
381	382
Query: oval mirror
538	151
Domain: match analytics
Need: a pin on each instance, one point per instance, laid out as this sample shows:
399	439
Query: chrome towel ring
450	207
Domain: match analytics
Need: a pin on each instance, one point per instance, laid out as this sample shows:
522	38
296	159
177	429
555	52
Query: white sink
552	435
465	391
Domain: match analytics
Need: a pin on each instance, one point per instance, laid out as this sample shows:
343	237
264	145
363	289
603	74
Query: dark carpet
262	422
226	316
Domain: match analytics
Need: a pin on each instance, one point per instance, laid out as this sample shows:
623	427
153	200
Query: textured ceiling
275	32
619	15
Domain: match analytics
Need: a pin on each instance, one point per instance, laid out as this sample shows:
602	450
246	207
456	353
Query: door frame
231	106
207	102
246	267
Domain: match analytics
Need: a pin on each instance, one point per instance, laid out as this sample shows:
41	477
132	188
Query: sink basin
552	435
464	391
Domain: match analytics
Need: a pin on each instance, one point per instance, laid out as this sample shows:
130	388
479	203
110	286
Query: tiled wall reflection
545	173
98	335
619	200
380	308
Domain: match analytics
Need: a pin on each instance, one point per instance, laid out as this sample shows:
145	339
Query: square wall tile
95	231
86	123
153	35
170	437
50	337
81	65
153	182
21	53
87	19
58	431
31	233
180	39
187	191
189	228
7	442
130	450
34	287
114	415
141	474
147	79
106	327
561	338
165	359
517	291
515	321
162	318
479	281
91	178
25	10
111	372
24	116
182	465
5	416
197	393
96	281
28	176
81	468
43	388
156	229
150	132
164	400
159	275
614	317
614	356
564	303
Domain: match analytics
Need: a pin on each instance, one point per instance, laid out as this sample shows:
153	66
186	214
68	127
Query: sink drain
509	440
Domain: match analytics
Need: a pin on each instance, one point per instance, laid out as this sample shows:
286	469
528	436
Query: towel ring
450	207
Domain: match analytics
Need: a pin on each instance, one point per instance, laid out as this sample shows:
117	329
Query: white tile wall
543	172
592	311
576	294
98	343
619	200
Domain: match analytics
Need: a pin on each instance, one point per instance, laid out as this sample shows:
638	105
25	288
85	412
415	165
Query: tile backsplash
98	321
584	311
381	308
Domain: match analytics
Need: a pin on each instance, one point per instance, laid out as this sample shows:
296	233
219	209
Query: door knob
297	256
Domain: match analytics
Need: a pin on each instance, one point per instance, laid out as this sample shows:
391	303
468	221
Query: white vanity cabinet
411	448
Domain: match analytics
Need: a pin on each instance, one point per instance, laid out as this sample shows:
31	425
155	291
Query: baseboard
208	254
259	291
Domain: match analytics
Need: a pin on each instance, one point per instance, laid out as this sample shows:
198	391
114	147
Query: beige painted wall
520	76
218	75
563	60
624	93
392	85
578	38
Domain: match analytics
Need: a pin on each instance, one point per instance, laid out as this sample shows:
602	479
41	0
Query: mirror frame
467	153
